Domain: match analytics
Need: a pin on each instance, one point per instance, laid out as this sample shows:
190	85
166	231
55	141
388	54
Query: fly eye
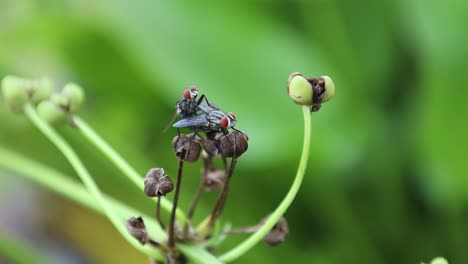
224	122
186	94
232	115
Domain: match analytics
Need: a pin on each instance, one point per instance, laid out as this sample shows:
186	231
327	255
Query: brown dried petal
187	147
278	233
233	144
157	183
136	227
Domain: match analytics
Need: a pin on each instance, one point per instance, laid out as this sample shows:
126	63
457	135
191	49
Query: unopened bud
40	90
51	112
14	92
136	227
310	91
157	183
74	95
278	233
187	147
233	144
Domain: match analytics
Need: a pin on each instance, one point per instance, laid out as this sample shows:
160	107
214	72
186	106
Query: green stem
61	184
250	242
88	181
120	163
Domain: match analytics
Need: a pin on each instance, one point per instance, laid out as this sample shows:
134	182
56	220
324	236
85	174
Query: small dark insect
213	121
186	106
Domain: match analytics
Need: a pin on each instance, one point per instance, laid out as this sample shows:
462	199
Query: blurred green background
387	176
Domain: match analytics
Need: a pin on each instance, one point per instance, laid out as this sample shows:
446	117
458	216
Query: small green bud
14	92
41	90
75	96
51	112
439	260
329	88
299	89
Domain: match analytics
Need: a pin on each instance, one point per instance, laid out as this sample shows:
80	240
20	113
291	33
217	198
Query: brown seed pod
157	183
278	233
214	179
136	227
234	144
187	147
212	143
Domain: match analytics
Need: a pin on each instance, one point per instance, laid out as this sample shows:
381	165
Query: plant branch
120	162
256	237
64	186
171	242
88	181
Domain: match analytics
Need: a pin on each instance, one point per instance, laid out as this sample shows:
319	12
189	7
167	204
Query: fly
186	106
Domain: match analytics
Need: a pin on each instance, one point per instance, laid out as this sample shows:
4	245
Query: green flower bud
439	260
75	96
40	90
14	92
299	89
329	88
51	112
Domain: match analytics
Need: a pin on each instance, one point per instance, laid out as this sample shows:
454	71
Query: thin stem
119	162
64	186
158	213
242	230
171	241
194	203
223	196
256	237
81	170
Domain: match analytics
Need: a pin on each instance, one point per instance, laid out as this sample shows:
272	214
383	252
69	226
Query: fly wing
170	120
206	106
194	121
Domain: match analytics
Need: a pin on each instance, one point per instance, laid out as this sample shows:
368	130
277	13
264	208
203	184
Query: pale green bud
41	90
329	88
439	260
299	89
75	96
14	92
51	112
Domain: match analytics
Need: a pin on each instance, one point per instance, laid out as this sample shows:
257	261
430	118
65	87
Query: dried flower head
234	144
157	183
136	227
278	233
187	147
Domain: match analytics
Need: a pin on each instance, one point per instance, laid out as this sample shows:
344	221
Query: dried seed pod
157	183
187	147
233	144
212	143
278	233
136	227
214	179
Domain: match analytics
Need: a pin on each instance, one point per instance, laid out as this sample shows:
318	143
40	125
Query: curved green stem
121	163
64	186
250	242
81	170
